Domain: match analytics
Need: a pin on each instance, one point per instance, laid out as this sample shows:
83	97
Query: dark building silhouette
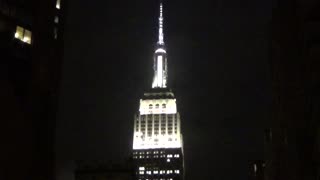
104	171
292	142
31	48
256	170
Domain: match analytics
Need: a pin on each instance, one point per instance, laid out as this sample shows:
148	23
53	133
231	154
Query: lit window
176	155
169	155
155	172
55	32
177	171
141	168
148	172
58	4
141	172
56	19
19	33
23	35
168	160
255	168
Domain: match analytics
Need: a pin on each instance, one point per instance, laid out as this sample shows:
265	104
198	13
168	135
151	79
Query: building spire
160	58
160	40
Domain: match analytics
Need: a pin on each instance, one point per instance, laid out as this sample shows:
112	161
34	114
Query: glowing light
159	70
177	171
160	41
141	168
168	160
26	39
16	35
58	4
149	142
255	168
160	50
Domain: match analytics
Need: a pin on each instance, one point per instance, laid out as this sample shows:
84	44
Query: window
163	106
56	19
169	155
23	34
58	3
19	33
141	168
55	32
155	172
150	106
157	106
177	171
168	160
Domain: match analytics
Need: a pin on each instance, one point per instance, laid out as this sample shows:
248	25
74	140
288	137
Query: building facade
31	47
292	142
157	140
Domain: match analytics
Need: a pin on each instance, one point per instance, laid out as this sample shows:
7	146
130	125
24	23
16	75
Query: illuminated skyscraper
157	139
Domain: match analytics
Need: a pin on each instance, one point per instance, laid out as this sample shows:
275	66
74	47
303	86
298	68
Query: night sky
218	69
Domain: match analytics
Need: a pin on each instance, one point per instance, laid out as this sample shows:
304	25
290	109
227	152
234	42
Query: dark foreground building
256	170
103	171
293	141
31	49
157	140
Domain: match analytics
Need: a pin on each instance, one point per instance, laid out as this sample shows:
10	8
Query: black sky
218	68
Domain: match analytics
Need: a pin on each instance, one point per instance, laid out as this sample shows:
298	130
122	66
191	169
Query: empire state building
157	139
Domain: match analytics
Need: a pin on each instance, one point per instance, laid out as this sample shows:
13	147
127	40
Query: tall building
31	49
293	140
157	140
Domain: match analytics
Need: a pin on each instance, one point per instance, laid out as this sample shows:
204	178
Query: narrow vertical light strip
159	70
160	41
58	4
